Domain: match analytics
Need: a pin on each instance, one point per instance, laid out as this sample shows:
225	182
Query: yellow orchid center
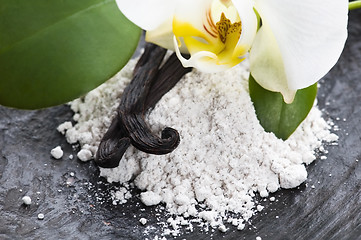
225	28
229	35
220	39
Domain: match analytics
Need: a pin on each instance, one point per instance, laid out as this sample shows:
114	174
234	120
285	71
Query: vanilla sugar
224	158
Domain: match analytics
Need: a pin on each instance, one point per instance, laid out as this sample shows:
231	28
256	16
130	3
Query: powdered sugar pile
224	157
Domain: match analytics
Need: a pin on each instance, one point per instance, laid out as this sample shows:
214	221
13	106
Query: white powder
41	216
259	208
26	200
62	128
57	152
150	198
222	228
121	195
224	157
143	221
84	155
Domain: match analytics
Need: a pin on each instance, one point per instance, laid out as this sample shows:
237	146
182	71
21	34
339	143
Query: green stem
354	5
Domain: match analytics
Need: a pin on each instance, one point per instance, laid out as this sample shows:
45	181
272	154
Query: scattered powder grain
57	152
224	156
62	128
84	155
26	200
120	196
143	221
41	216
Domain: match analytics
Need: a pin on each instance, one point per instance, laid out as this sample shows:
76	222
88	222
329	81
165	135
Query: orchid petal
267	66
147	14
193	23
249	22
309	36
193	12
162	35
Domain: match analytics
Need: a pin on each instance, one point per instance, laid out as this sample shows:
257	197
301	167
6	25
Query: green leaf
54	51
277	116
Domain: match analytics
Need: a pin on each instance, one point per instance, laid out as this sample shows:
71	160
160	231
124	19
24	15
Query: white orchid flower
297	44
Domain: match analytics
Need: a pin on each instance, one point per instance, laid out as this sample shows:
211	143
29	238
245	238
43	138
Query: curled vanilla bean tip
144	139
169	134
147	142
111	151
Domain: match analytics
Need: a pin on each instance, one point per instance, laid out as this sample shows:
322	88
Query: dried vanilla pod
148	86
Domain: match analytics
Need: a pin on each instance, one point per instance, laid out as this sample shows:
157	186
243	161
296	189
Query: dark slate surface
76	207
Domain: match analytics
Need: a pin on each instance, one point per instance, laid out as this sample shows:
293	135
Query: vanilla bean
168	76
147	87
